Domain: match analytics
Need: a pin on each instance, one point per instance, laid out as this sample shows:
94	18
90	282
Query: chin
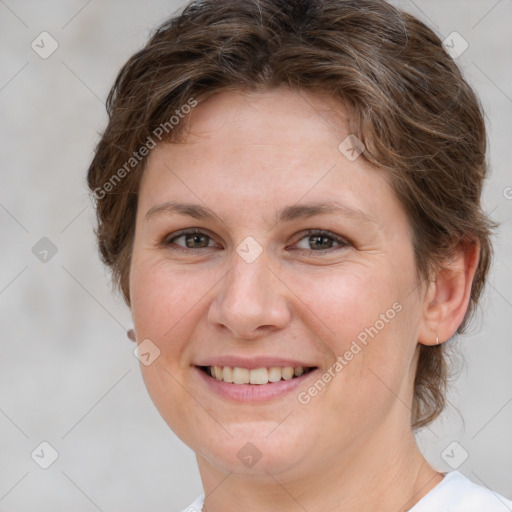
256	457
251	448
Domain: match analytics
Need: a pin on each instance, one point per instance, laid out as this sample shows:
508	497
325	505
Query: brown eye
189	240
317	240
194	241
320	242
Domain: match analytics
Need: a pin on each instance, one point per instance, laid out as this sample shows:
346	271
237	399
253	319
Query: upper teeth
237	375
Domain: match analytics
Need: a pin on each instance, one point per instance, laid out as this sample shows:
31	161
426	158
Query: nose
251	302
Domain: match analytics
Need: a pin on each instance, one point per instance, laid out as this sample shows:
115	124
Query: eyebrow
287	214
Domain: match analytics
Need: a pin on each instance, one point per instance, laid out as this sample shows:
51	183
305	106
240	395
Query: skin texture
245	156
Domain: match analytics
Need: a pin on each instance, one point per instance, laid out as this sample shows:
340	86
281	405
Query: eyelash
169	242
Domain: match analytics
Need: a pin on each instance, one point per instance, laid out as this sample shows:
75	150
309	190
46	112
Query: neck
384	471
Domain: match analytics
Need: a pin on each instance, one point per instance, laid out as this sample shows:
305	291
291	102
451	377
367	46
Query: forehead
235	125
253	108
261	149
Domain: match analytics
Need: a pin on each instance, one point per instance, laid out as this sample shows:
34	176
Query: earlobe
448	295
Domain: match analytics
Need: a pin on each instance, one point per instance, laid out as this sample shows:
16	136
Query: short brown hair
410	105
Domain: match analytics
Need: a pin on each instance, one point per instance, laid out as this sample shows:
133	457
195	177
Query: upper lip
254	362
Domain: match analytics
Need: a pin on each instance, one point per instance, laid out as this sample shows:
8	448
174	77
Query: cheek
346	301
166	299
166	308
367	316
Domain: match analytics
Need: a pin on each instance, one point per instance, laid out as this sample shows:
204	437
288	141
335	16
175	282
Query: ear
448	295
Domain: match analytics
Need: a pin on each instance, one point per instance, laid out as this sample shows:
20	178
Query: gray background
68	375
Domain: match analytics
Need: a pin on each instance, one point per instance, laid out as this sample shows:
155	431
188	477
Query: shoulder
457	493
196	506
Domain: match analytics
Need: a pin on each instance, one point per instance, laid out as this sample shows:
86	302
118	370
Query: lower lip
253	392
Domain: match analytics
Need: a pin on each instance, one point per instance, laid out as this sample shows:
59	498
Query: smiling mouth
258	376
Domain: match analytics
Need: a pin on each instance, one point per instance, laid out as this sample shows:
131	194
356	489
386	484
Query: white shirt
455	493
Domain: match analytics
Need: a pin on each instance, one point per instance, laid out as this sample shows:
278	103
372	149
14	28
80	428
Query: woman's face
302	257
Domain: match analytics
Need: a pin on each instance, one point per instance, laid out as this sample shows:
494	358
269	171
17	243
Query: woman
288	195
